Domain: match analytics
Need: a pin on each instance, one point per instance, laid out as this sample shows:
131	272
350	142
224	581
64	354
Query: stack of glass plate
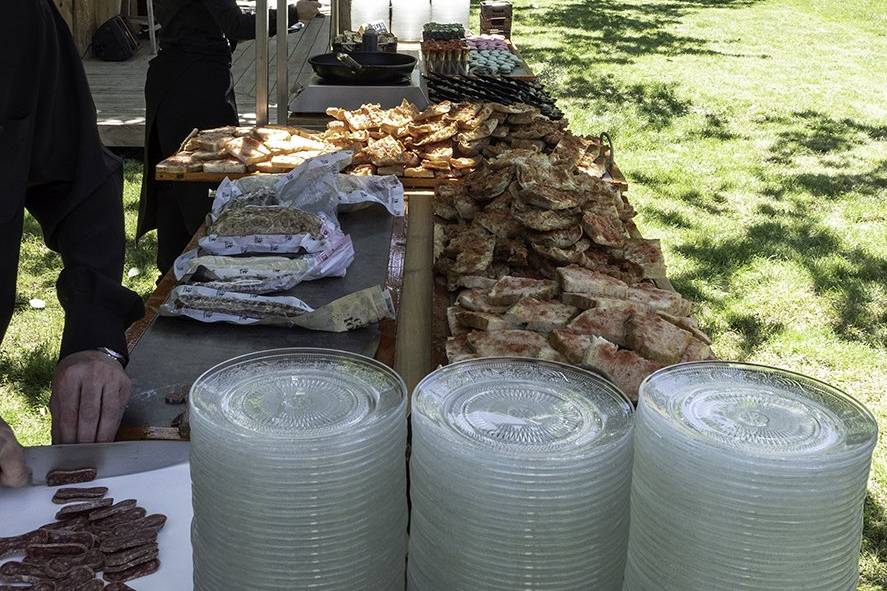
746	478
519	478
298	473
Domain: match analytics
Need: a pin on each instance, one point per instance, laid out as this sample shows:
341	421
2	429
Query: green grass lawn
754	138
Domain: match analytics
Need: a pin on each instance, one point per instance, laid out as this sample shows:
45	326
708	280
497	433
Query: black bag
114	41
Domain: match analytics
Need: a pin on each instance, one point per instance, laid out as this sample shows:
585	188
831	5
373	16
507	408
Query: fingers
13	471
64	405
114	400
89	411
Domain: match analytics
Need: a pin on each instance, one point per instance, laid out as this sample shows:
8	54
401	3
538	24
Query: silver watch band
113	354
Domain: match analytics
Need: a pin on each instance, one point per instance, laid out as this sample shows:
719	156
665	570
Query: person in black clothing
189	84
53	163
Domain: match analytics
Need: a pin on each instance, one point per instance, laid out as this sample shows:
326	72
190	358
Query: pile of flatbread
539	254
447	140
239	150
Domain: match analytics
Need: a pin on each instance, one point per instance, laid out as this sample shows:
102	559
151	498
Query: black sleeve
238	26
91	240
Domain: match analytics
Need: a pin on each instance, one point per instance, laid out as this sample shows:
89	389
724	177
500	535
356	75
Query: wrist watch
113	355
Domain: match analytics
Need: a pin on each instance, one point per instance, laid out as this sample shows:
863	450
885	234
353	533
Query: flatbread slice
625	368
576	279
507	343
540	315
510	290
656	338
570	344
609	324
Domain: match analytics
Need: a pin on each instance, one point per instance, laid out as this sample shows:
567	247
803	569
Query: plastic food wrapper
263	274
349	312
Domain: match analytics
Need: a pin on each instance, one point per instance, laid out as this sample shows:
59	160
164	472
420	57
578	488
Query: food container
520	472
746	478
298	473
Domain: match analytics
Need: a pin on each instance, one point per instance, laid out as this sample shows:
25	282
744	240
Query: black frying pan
363	68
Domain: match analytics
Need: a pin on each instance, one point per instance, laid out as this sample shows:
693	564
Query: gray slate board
176	351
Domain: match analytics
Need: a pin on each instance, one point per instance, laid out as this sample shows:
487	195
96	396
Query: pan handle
350	62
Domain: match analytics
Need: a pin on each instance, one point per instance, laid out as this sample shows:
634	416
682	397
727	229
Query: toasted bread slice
475	252
511	252
507	343
464	163
540	315
466	206
455	327
549	197
464	112
435	110
417	172
510	290
478	300
443	133
498	223
571	254
483	320
394	170
603	229
609	324
572	345
513	109
385	152
473	282
544	220
265	134
525	117
458	350
660	300
362	170
482	131
656	339
558	238
211	142
226	166
549	353
203	155
647	255
576	279
697	350
436	164
625	368
248	150
687	324
438	151
587	302
482	116
179	163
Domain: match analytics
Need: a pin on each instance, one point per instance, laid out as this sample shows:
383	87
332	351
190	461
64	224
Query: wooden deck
118	87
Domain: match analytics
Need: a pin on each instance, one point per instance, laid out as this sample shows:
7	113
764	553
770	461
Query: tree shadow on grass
874	536
656	103
811	134
31	371
792	236
617	31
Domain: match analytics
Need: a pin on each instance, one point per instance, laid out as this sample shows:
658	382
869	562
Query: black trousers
182	92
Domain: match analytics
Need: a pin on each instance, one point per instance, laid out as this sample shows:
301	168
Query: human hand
89	394
13	471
